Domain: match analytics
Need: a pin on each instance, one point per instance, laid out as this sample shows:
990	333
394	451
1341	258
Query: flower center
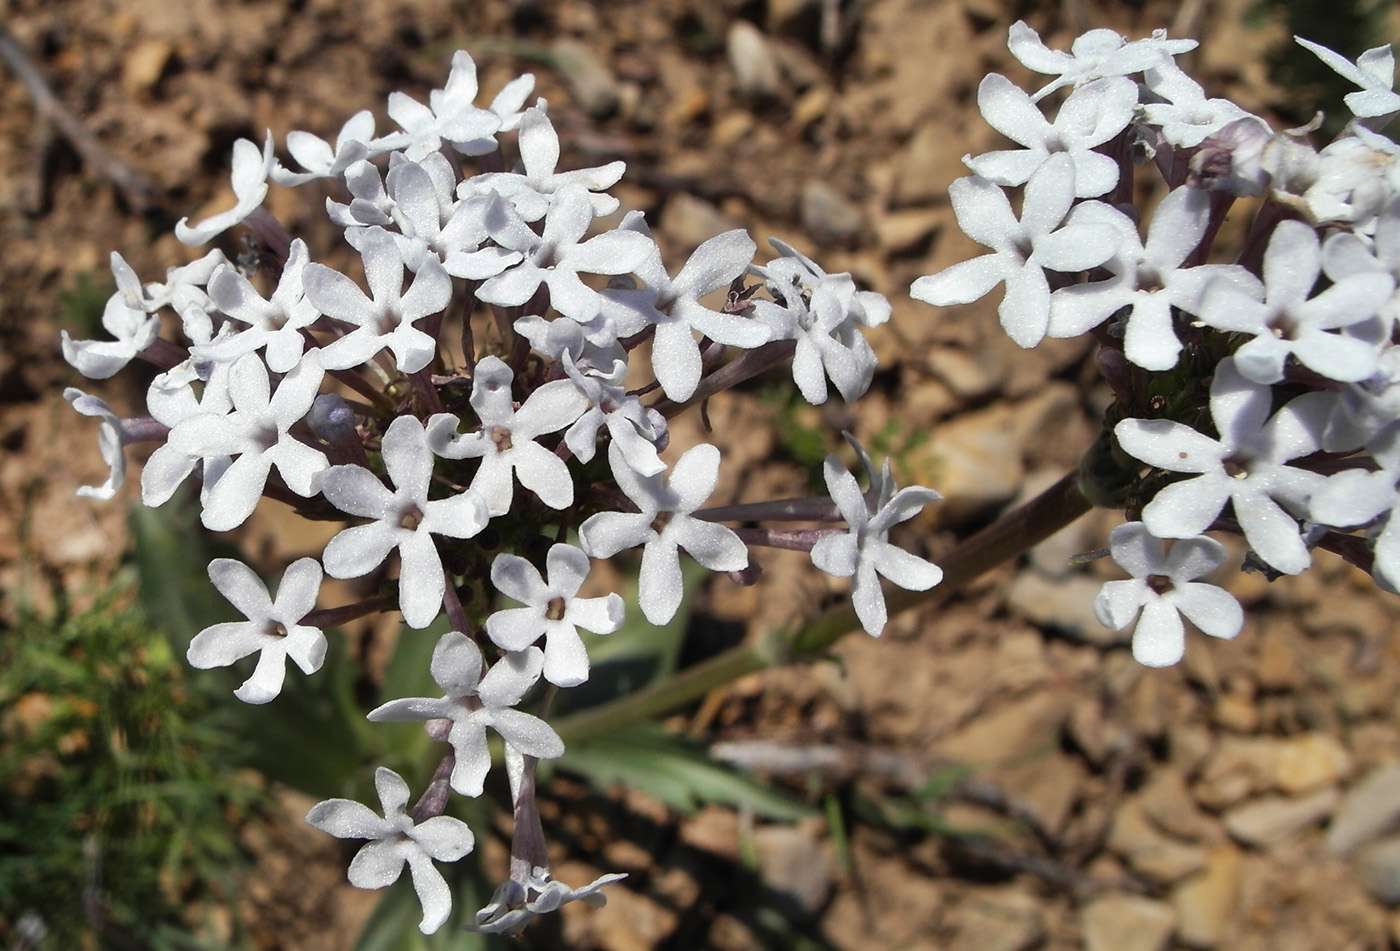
501	437
410	518
1161	584
556	609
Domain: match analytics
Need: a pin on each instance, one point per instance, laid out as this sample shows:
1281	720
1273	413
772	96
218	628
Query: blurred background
996	774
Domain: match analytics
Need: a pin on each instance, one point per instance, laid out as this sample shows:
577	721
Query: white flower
110	442
1021	250
532	191
505	444
664	526
1291	322
1373	71
251	168
1093	114
315	154
274	324
403	519
553	610
396	840
126	317
1149	278
474	702
514	905
865	551
635	428
258	433
273	630
673	306
558	255
1162	591
450	115
1247	466
387	319
1093	55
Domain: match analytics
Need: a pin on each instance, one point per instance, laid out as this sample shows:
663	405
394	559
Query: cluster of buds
510	448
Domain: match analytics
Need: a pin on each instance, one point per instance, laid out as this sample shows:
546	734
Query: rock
966	375
1206	903
1046	786
974	460
1240	767
144	65
691	221
1277	667
1273	820
1004	919
926	167
1370	810
1014	729
1168	803
792	861
590	81
1127	923
1148	851
828	215
1377	867
901	232
1095	734
755	68
1065	604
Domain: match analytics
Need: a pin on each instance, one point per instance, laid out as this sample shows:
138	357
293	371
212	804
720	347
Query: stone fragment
1206	903
1377	867
1003	919
829	216
1064	604
143	66
691	221
1127	923
900	232
1242	766
591	83
1014	729
1273	820
792	861
755	68
1148	851
928	164
1370	810
1168	803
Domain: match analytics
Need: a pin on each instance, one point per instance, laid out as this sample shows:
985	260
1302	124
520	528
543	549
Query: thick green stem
1007	537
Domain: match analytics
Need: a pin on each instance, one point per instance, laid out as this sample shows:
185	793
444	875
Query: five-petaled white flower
865	551
553	610
1163	589
664	525
404	518
397	839
473	702
273	628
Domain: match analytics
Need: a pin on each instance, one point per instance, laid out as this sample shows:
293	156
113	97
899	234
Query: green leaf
650	758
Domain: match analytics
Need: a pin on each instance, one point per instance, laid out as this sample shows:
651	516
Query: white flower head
111	443
473	701
126	317
403	518
1163	590
514	905
865	552
1247	467
251	168
553	610
273	629
1093	55
664	525
506	444
396	840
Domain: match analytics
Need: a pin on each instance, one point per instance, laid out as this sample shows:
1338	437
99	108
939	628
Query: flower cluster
1259	387
290	380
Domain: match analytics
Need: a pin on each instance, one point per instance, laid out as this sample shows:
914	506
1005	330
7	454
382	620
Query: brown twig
136	190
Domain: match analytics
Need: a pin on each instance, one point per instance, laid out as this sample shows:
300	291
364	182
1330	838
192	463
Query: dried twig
136	190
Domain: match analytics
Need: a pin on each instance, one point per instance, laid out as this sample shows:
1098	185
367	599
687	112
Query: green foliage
119	817
81	306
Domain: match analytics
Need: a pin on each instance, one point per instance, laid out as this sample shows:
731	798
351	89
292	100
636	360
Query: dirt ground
1132	809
